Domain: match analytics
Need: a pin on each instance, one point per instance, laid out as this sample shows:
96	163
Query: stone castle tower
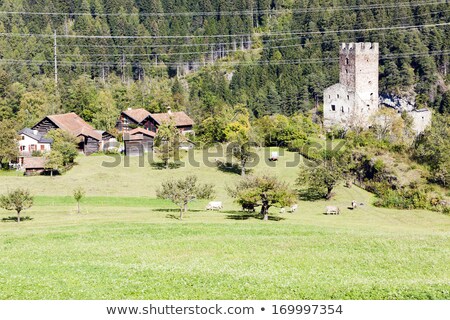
353	100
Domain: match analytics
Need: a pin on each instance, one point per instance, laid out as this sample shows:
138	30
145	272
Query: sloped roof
137	115
35	135
179	118
142	131
72	123
34	162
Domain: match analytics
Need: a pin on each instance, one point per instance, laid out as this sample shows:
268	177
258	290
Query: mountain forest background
209	57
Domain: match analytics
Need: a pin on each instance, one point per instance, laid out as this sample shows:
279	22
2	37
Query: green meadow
126	244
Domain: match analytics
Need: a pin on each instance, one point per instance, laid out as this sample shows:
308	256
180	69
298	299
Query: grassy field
128	245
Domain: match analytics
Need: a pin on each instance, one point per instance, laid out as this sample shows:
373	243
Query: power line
200	63
237	12
159	45
295	32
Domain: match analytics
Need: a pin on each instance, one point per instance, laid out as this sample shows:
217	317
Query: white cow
213	205
332	210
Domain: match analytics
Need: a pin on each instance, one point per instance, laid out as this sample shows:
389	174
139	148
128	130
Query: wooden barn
34	165
132	118
138	141
89	140
141	118
181	120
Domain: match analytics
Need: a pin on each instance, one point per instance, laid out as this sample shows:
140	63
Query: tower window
338	96
348	97
346	71
333	107
342	109
346	60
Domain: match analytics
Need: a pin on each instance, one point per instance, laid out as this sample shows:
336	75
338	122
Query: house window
125	120
22	137
42	147
22	148
333	107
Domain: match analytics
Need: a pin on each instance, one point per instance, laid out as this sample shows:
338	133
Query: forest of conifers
272	56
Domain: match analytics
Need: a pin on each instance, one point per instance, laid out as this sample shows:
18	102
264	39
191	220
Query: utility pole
56	60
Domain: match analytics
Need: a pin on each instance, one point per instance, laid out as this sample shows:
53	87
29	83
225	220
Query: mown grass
144	252
128	245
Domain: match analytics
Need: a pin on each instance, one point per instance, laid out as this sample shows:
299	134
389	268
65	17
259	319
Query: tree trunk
328	195
265	210
18	216
181	213
78	206
242	168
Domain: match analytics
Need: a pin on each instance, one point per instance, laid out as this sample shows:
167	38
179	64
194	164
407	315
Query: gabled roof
180	119
35	135
142	131
137	115
34	163
73	124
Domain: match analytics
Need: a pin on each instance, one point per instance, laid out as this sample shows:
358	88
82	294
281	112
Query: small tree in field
264	191
183	191
18	200
320	179
78	194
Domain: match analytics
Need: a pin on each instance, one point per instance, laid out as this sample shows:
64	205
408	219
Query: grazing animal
213	205
293	208
354	204
332	210
248	207
282	210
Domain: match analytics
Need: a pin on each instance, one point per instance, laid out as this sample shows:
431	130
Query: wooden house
34	165
89	140
133	118
141	118
180	119
138	141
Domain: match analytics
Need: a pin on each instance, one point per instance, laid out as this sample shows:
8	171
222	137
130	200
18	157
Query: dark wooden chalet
180	119
133	118
89	140
138	141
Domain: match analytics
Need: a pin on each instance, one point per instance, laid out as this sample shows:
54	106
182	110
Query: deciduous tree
17	200
183	191
264	191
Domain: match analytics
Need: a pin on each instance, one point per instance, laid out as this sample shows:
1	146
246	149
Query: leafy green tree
17	200
106	115
264	191
433	149
239	137
167	142
183	191
65	144
78	194
9	148
319	178
54	161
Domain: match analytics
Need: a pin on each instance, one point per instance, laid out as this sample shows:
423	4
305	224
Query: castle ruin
355	99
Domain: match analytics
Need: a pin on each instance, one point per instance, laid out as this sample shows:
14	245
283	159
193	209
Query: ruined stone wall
421	119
